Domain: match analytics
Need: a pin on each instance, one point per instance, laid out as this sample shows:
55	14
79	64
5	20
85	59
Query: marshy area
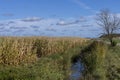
55	58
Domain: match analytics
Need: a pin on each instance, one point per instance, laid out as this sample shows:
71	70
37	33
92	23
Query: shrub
114	43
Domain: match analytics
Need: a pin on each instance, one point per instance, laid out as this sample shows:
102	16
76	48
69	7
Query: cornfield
19	50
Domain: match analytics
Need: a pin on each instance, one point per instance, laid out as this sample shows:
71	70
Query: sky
56	13
12	9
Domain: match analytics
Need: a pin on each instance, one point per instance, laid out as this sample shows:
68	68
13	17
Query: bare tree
109	22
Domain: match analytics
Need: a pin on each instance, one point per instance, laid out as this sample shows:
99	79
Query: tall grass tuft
93	58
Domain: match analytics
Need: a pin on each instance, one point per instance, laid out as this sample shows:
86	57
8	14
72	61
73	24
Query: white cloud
118	14
83	27
32	19
71	21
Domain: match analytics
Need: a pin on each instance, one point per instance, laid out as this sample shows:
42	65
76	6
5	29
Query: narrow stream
77	69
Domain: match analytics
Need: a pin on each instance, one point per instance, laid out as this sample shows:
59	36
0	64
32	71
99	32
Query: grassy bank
101	62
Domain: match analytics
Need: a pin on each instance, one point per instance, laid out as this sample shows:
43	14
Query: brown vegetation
19	50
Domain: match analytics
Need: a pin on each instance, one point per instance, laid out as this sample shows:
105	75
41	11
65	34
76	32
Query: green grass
117	40
113	63
101	62
93	57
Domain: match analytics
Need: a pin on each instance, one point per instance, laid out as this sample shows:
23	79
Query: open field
50	58
37	58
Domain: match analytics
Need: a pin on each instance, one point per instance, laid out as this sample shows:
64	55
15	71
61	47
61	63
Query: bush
114	43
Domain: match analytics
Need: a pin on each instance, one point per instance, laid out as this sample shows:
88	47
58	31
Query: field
37	58
50	58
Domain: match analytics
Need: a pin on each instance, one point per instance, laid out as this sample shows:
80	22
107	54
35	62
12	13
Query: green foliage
101	62
93	58
114	43
45	69
112	63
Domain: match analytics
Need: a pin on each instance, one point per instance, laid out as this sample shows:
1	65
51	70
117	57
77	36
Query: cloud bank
36	26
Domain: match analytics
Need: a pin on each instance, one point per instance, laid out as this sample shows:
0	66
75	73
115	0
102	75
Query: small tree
109	22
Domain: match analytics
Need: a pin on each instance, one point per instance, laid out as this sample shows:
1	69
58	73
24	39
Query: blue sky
53	17
12	9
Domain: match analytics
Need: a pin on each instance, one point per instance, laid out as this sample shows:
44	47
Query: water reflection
77	69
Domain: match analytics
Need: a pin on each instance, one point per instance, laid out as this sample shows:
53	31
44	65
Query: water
77	69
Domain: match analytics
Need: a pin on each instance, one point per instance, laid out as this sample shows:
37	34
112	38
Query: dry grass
19	50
